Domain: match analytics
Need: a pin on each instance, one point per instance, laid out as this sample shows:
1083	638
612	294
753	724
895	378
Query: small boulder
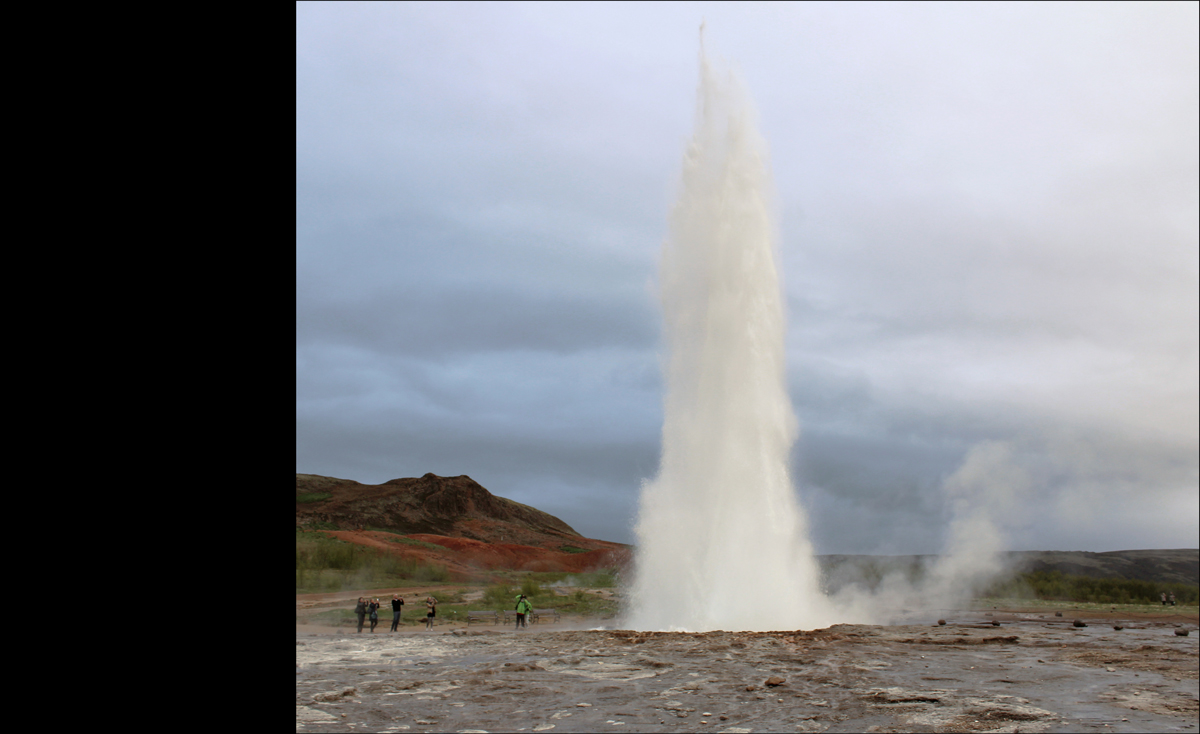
1181	632
1118	627
332	696
995	623
1079	623
777	681
941	622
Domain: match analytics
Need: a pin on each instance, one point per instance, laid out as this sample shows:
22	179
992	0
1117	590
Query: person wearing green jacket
523	608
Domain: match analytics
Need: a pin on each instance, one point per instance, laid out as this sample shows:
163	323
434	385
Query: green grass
328	564
413	614
398	537
317	525
451	606
580	603
499	596
1051	605
312	497
324	581
1060	587
502	597
571	549
417	543
606	579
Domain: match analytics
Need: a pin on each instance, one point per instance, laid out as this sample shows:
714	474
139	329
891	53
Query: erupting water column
721	540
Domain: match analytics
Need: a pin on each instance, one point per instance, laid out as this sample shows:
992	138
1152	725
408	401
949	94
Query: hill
453	522
451	506
1180	566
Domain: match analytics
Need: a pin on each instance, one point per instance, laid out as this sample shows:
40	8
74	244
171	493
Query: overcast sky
988	234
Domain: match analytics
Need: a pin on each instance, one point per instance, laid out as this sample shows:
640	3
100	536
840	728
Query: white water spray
722	541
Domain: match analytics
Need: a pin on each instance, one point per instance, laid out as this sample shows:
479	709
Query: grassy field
452	607
1054	604
325	564
1060	587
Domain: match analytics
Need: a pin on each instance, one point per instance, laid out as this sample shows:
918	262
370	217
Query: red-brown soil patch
465	557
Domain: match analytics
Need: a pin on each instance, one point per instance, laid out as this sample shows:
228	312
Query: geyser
722	541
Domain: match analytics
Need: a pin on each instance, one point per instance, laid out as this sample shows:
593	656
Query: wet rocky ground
1029	674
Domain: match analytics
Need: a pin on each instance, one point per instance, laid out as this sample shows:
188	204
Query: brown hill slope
455	507
468	559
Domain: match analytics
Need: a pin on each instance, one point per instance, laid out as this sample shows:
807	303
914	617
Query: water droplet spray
722	542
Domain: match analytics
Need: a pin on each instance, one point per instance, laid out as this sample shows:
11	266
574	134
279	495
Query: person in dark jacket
373	608
361	612
397	608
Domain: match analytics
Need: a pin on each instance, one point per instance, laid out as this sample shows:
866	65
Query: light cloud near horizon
988	234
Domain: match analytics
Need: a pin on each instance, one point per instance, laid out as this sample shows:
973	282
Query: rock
995	623
1118	627
751	688
312	716
329	696
1079	623
777	681
1058	614
1181	633
941	621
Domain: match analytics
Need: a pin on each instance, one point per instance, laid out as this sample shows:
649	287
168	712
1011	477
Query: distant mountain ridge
1180	565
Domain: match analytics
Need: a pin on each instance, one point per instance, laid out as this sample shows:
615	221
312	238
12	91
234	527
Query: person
523	607
430	612
1164	598
373	607
1172	598
397	608
361	612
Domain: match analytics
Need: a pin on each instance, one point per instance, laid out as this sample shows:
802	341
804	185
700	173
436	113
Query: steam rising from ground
722	540
983	492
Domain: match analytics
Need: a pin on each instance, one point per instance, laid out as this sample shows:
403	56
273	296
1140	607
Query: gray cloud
988	233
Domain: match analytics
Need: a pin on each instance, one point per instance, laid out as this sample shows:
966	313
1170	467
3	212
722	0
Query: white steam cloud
722	540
